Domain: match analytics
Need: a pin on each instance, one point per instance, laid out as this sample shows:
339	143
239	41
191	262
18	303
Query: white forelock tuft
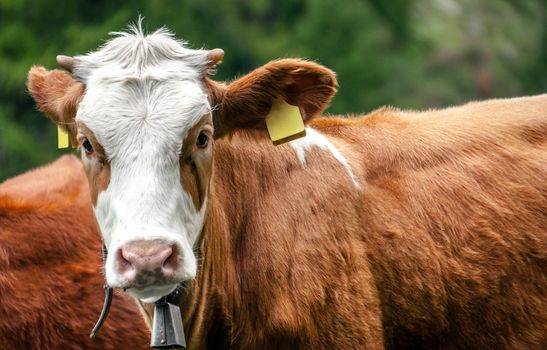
133	53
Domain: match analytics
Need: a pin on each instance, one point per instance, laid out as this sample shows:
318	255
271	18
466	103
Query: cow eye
202	140
87	146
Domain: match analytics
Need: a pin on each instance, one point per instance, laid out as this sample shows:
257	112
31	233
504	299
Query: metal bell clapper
167	329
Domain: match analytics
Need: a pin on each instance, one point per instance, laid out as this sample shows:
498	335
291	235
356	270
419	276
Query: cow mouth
151	278
151	293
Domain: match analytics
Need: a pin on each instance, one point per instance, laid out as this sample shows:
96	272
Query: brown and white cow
50	280
394	230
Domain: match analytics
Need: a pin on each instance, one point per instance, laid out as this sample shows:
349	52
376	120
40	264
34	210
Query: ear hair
57	95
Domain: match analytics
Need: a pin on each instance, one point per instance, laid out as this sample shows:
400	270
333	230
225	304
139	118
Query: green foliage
420	54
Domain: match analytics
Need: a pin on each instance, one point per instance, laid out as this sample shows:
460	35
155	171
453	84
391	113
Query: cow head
144	116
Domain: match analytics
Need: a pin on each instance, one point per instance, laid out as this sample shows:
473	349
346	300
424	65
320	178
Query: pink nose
143	263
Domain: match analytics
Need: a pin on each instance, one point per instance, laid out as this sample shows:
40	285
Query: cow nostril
124	263
170	263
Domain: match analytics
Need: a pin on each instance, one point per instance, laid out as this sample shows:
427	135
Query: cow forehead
143	112
141	88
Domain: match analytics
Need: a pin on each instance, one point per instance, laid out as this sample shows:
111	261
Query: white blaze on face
143	94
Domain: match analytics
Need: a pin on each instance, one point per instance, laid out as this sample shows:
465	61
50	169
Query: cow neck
209	303
214	300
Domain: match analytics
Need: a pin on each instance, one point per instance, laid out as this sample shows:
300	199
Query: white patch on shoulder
314	138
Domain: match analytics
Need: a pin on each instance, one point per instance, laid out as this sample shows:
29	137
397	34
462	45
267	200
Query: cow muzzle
147	263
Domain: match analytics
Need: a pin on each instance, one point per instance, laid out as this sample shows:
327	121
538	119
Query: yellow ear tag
284	122
62	138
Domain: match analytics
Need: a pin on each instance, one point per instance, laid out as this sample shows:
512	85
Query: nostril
163	255
170	263
123	260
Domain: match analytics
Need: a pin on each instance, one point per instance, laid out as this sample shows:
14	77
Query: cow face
144	127
146	151
141	110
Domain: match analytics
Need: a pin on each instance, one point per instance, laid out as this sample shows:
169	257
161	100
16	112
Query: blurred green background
410	54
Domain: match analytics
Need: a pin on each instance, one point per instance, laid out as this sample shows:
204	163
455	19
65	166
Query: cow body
441	245
50	267
393	230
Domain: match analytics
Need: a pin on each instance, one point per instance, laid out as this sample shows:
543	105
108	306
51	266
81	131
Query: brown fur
57	94
444	245
50	267
96	165
244	103
196	166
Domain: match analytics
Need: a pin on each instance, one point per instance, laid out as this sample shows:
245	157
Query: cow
393	230
50	266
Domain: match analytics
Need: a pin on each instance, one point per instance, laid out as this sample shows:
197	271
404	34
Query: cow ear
247	100
57	95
